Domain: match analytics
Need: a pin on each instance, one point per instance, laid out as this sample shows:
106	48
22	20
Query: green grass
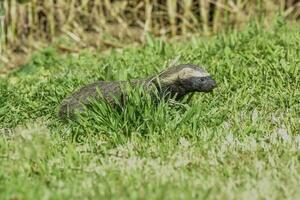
240	142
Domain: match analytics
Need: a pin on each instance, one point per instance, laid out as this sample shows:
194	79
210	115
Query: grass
240	142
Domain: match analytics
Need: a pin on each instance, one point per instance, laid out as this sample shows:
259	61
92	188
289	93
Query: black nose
213	83
208	84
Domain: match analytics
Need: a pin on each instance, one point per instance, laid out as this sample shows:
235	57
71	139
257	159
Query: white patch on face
185	74
188	72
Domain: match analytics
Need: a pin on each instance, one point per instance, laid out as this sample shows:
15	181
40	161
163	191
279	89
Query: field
240	142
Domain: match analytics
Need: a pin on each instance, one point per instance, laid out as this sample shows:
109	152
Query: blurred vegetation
27	21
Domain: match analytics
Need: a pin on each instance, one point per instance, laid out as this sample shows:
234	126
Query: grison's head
191	78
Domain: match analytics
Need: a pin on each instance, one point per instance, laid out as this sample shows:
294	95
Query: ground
240	142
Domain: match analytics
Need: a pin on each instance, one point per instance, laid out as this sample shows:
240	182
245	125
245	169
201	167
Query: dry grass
22	24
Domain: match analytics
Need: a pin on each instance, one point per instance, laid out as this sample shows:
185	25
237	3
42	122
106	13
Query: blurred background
27	25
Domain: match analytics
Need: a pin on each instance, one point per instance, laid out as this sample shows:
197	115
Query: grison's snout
208	84
203	84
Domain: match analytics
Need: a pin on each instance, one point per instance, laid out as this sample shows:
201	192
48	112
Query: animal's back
100	90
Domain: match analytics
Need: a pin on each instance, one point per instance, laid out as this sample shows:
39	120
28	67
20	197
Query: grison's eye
205	78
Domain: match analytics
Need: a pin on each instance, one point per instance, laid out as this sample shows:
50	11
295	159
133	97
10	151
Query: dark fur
110	91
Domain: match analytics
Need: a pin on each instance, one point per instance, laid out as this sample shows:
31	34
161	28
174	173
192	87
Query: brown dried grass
24	24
